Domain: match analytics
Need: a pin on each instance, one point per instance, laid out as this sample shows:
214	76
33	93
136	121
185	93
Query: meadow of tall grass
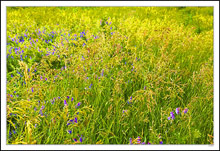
109	75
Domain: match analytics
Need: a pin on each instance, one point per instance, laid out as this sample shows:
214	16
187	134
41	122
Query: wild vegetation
109	75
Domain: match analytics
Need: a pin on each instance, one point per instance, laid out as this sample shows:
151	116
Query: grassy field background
109	75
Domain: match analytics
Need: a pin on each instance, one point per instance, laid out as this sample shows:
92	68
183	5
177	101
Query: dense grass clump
109	75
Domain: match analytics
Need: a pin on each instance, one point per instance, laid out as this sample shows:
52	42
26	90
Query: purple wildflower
80	139
65	104
172	115
32	89
102	72
69	131
53	101
124	111
177	110
78	104
41	113
75	120
185	110
75	139
67	97
130	140
42	107
138	140
169	118
161	142
72	99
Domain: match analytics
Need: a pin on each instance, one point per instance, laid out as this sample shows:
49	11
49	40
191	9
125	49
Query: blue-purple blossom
172	115
177	110
41	113
42	107
161	142
80	139
138	140
78	104
83	58
102	72
75	120
130	140
185	110
75	139
124	111
65	104
69	131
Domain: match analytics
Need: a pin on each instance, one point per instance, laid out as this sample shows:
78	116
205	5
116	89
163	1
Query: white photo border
215	4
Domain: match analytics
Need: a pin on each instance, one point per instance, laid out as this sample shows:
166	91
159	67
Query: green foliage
129	67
